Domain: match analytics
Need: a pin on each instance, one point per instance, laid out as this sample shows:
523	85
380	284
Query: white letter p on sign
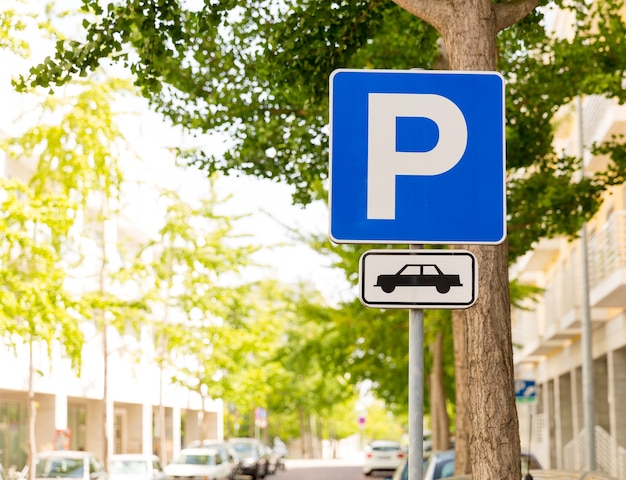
384	163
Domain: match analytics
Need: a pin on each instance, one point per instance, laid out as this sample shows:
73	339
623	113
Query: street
324	470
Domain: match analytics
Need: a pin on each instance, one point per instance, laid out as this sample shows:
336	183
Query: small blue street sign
525	391
417	157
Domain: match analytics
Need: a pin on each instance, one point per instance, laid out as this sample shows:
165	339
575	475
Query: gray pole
416	390
586	333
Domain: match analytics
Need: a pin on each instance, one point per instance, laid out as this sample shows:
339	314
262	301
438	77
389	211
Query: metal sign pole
416	390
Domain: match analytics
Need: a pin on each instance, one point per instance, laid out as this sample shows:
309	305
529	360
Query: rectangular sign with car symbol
418	279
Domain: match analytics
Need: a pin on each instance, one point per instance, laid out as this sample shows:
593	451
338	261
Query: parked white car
382	455
204	463
136	466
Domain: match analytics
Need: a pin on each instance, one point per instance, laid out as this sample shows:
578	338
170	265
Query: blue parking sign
417	157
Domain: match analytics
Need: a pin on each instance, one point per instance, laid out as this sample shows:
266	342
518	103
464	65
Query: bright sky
269	204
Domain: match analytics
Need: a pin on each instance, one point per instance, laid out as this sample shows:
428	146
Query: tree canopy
258	73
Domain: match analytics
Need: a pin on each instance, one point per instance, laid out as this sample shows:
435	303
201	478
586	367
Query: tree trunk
462	465
105	393
468	29
494	436
303	452
161	426
204	426
314	440
440	423
32	412
108	434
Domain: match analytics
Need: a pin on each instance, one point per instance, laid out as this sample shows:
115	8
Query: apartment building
71	408
583	301
548	335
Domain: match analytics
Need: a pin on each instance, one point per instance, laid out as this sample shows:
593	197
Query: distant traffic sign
418	279
525	391
417	157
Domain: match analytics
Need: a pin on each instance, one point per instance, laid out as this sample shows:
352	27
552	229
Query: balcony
603	119
555	321
607	263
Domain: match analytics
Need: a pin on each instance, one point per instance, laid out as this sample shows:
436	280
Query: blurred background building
548	334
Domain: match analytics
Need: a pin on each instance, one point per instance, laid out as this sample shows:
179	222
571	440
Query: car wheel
443	288
388	288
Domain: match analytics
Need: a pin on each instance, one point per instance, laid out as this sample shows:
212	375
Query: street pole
416	390
586	332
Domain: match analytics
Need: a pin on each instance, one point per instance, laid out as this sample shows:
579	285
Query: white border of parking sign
417	156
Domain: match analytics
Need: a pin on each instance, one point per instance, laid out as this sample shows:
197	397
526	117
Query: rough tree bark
468	29
440	421
462	465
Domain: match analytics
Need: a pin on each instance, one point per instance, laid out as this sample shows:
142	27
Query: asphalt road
324	470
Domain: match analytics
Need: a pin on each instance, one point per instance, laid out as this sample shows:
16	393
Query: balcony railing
556	317
607	249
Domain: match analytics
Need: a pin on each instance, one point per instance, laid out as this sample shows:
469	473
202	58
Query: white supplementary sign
418	279
417	157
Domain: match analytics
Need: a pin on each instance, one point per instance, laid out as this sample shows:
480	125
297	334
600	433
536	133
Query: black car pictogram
419	275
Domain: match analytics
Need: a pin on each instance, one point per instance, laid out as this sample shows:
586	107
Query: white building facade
548	335
71	408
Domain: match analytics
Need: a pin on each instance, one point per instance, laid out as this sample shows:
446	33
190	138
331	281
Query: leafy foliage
546	196
259	73
34	301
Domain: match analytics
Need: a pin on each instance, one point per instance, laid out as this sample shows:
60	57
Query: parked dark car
252	455
440	465
281	451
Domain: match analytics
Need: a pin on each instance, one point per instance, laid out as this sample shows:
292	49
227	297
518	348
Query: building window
13	434
77	423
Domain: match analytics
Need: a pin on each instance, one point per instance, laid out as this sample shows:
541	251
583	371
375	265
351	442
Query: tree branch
511	12
436	12
433	12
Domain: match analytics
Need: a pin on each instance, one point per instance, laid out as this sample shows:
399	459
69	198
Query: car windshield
53	467
244	448
129	466
193	459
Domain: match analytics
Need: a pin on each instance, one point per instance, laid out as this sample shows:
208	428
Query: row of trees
68	256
